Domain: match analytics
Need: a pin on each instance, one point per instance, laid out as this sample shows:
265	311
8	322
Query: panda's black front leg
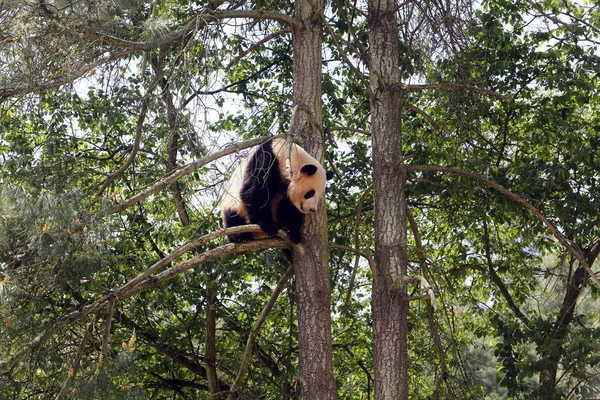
263	216
258	207
291	219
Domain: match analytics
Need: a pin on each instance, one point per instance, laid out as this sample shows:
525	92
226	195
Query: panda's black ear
309	169
330	175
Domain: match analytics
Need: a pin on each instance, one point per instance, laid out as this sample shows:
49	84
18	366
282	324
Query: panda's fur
261	191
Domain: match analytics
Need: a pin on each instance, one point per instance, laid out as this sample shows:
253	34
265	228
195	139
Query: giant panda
262	191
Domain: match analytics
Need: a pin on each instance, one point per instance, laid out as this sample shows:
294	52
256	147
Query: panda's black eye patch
309	194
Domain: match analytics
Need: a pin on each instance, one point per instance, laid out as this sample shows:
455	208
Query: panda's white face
307	187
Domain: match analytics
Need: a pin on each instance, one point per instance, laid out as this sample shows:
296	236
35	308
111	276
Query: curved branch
179	173
423	114
519	199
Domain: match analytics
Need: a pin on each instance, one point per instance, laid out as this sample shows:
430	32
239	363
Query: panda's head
307	186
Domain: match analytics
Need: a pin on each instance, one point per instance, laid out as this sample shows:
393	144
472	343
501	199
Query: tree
389	306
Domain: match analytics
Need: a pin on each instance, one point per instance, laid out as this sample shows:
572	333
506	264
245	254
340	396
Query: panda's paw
294	236
270	228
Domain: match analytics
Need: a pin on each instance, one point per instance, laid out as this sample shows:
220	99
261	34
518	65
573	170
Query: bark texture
313	290
389	177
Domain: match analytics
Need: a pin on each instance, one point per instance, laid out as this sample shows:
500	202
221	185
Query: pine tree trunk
389	177
313	290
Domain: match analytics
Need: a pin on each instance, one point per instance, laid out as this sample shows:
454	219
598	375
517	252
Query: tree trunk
547	380
313	290
389	177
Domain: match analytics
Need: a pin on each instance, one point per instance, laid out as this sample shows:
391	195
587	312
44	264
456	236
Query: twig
76	361
106	334
550	17
257	45
136	143
346	128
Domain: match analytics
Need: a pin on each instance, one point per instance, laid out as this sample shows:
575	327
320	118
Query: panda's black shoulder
264	170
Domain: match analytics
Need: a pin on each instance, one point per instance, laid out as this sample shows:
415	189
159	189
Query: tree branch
136	143
119	295
178	173
256	46
496	279
356	245
423	114
571	247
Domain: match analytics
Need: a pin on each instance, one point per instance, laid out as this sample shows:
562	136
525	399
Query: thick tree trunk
389	177
311	266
